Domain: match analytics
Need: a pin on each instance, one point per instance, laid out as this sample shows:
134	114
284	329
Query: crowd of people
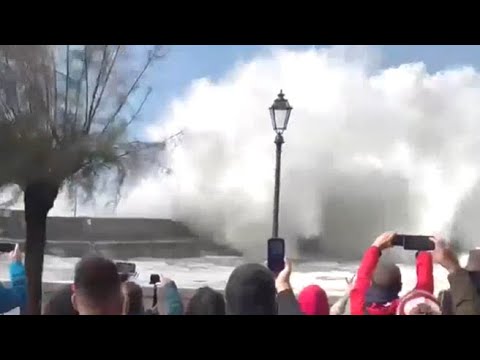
252	289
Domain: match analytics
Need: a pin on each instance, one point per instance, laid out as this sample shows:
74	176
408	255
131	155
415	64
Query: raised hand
444	256
384	241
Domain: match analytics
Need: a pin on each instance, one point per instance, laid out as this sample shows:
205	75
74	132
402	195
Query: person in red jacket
313	300
376	288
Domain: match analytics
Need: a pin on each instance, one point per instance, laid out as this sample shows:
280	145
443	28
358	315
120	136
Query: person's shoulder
384	309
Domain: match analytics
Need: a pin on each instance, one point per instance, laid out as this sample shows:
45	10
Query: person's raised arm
365	272
424	264
342	305
16	295
465	298
286	300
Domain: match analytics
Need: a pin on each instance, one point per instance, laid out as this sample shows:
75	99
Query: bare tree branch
132	88
85	59
88	121
106	81
67	85
77	97
139	109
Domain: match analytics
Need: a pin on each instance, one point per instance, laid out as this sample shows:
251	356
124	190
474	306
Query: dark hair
423	309
250	290
60	303
96	278
206	301
388	276
135	298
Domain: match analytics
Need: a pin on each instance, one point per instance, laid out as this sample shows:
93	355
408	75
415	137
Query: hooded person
377	286
313	300
206	301
463	297
463	282
418	302
252	290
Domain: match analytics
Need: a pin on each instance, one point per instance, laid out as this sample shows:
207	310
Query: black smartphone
154	279
276	254
7	247
414	242
126	268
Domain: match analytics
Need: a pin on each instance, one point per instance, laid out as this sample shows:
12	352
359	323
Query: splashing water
367	150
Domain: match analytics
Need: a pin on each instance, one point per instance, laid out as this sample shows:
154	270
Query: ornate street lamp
280	114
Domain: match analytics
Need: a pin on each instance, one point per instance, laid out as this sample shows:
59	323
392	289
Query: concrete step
172	248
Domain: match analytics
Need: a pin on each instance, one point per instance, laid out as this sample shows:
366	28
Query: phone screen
276	254
126	268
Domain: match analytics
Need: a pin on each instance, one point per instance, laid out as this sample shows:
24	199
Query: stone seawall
117	238
93	229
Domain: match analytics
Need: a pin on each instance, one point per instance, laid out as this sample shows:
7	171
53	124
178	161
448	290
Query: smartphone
154	279
126	268
414	242
276	254
7	247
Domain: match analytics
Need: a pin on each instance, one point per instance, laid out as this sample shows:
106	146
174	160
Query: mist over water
368	149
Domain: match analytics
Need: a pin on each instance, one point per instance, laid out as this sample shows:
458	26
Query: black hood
251	290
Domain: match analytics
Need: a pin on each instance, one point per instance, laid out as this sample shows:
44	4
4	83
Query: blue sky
185	63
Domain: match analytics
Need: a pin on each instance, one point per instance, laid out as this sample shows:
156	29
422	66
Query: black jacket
287	303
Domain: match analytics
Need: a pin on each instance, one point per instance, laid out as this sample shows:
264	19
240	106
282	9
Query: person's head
313	301
97	287
251	290
206	301
60	303
133	299
418	302
387	277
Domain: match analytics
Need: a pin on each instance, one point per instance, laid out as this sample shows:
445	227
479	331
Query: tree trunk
39	199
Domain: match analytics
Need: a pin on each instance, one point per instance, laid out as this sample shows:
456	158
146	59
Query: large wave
368	149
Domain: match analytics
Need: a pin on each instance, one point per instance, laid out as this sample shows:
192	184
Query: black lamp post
280	114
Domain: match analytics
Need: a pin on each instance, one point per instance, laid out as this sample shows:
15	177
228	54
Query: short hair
206	301
60	303
251	290
388	276
96	278
134	295
424	309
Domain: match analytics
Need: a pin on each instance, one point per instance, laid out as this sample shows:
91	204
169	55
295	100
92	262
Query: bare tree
65	112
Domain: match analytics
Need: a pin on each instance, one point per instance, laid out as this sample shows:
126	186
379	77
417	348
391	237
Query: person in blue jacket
16	294
171	301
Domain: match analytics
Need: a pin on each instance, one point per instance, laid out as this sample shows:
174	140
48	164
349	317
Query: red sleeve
424	272
363	280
